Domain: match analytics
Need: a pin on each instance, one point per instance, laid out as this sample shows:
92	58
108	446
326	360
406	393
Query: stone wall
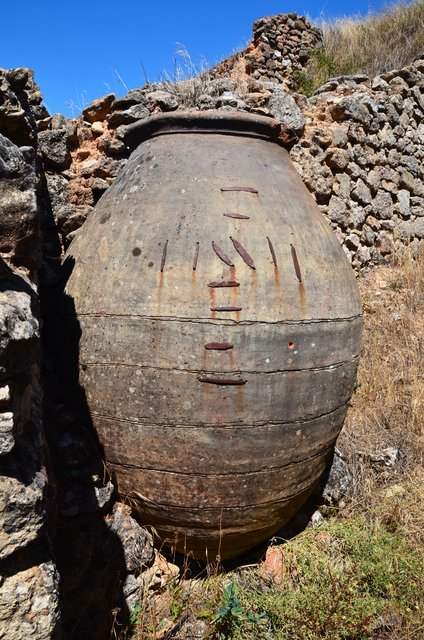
29	589
280	47
362	157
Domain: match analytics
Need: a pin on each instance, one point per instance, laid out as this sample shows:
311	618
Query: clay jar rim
213	121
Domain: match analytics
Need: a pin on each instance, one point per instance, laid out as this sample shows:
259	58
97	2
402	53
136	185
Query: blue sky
82	50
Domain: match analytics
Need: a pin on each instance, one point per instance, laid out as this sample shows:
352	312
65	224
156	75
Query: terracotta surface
219	445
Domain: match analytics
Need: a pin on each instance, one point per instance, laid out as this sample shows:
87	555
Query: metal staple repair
196	256
242	251
271	248
240	188
223	283
219	252
223	381
219	346
220	308
238	216
296	263
162	263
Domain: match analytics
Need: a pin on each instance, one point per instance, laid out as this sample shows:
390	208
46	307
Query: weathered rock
339	481
16	119
132	114
135	96
218	86
22	500
163	99
19	333
338	212
361	193
58	121
230	99
355	108
412	229
407	181
383	204
98	109
103	168
7	436
71	217
388	457
54	148
58	189
337	158
137	543
29	604
19	223
98	188
402	204
110	145
317	519
282	106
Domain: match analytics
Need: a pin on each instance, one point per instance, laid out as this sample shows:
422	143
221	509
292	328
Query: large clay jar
220	331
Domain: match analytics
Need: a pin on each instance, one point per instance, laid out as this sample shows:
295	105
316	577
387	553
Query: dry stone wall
29	581
362	157
281	47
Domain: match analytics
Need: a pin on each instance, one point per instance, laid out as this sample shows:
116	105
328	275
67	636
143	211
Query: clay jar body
221	329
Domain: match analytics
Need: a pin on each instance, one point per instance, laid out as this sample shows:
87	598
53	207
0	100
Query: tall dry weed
387	410
377	43
188	80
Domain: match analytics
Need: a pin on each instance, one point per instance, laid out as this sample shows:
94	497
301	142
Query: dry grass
188	80
378	43
387	409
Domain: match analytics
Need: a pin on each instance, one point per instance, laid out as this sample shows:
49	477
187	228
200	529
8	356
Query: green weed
232	615
321	67
351	580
